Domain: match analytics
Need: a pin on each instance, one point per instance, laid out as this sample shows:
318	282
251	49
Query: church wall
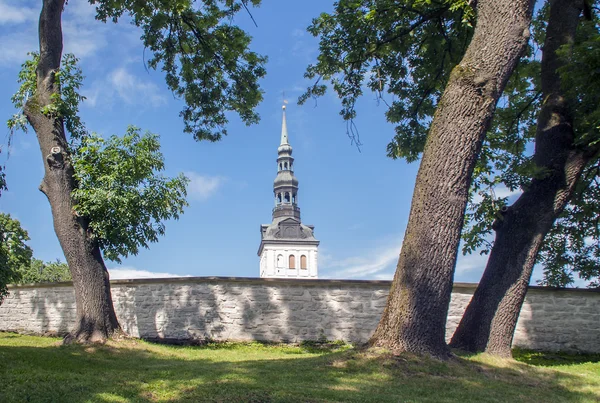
288	310
272	270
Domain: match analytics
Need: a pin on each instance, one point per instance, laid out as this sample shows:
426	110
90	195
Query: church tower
288	248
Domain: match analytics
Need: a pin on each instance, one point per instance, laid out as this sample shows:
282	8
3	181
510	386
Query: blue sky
358	201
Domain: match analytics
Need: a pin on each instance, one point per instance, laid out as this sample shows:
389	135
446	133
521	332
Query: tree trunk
491	317
414	318
96	319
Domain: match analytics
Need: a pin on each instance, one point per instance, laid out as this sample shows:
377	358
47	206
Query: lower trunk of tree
96	319
490	319
414	318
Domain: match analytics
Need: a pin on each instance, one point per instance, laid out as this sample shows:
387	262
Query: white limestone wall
270	267
288	310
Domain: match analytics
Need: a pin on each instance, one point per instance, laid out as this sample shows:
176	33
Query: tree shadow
40	309
134	371
559	319
546	359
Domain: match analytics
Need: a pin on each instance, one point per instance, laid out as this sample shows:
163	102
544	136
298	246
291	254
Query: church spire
284	131
285	186
288	248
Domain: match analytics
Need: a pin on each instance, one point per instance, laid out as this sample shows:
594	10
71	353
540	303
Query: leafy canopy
39	271
205	57
121	192
403	51
65	103
14	252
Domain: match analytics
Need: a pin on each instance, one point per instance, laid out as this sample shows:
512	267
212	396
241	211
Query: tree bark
490	319
414	318
96	318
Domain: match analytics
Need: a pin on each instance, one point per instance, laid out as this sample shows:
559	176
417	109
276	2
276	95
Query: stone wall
288	310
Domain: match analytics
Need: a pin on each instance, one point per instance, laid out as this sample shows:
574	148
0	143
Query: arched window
279	198
290	166
292	262
285	166
287	197
279	260
294	198
280	166
303	265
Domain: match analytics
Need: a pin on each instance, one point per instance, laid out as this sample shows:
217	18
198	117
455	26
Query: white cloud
126	272
470	267
500	191
15	46
378	263
83	35
122	84
10	14
202	187
84	40
134	90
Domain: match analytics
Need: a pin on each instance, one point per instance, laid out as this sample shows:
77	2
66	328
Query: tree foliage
14	252
204	56
65	104
39	271
120	191
403	50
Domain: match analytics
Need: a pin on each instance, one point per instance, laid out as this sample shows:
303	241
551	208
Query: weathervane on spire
284	101
284	132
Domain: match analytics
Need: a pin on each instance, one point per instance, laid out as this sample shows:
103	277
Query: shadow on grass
546	359
134	371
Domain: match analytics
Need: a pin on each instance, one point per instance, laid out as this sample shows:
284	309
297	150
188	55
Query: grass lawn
39	369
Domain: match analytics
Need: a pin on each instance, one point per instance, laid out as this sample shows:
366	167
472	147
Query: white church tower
288	248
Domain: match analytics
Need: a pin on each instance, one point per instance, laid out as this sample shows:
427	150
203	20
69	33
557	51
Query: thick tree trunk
414	319
96	319
491	317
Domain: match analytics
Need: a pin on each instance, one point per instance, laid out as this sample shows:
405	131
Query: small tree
14	252
44	272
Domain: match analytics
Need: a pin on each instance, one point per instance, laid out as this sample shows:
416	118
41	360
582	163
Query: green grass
39	369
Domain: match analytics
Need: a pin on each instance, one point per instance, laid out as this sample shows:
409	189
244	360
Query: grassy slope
41	370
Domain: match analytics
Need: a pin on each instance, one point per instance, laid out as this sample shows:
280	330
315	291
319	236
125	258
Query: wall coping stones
285	281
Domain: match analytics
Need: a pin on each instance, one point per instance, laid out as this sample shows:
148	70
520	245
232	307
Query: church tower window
303	262
292	262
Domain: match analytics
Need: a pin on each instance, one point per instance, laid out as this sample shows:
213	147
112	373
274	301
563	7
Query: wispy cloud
10	14
202	187
500	191
377	263
134	90
121	84
127	272
83	35
470	267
